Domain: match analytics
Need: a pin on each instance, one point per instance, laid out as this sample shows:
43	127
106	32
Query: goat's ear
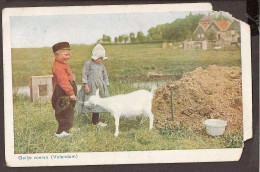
97	92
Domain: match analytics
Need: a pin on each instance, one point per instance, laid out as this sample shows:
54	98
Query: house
233	31
200	31
217	31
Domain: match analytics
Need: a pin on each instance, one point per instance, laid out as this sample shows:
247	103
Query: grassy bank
124	60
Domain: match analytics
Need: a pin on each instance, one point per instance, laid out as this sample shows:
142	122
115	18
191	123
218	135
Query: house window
198	35
233	32
202	35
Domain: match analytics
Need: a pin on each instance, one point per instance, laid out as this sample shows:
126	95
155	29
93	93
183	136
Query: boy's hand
87	89
73	97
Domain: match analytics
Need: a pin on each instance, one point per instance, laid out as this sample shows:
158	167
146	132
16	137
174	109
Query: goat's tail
154	87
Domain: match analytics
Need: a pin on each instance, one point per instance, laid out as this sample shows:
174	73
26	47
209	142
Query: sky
44	31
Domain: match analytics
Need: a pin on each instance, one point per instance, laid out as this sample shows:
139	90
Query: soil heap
214	92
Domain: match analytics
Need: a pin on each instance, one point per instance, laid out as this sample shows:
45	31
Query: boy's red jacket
63	76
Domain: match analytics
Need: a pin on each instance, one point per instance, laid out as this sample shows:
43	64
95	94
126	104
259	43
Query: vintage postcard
125	84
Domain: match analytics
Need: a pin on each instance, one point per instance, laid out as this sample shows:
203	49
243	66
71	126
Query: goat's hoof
116	134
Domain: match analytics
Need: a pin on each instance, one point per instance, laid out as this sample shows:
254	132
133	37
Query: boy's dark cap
61	46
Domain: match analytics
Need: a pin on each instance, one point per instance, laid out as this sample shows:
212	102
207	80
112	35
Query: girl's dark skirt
64	108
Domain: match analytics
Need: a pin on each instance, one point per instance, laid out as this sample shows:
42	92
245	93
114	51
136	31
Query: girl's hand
87	89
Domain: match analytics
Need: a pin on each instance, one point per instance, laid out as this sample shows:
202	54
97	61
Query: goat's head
93	99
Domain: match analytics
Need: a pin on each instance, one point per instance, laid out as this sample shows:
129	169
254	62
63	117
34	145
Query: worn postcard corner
125	84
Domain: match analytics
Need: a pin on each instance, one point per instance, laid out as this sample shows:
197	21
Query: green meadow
124	60
35	123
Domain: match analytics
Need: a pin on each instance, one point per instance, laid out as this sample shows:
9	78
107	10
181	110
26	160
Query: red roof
205	26
223	25
206	18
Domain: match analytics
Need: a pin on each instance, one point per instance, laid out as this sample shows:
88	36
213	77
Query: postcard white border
134	157
246	81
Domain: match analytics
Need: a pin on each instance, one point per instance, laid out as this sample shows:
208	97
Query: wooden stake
172	104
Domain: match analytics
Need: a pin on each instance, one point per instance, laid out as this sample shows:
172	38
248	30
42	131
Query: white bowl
215	127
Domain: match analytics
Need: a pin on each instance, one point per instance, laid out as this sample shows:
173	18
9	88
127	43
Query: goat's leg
150	115
117	125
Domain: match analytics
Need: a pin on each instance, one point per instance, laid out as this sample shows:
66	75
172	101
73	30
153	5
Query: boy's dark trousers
65	119
64	108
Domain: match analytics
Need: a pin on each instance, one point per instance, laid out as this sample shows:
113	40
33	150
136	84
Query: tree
120	38
167	32
155	33
132	37
223	16
181	29
178	30
115	40
140	37
99	41
125	38
106	39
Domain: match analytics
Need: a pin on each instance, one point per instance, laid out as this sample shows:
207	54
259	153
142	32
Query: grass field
35	124
124	60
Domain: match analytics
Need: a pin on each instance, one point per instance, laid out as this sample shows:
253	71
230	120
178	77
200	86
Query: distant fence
133	43
146	77
204	45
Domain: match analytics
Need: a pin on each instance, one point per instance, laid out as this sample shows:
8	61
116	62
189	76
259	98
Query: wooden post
204	45
172	104
185	45
41	87
164	45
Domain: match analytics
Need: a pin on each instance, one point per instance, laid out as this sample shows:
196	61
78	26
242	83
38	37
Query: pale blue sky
44	31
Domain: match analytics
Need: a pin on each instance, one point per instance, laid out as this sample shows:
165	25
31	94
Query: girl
94	76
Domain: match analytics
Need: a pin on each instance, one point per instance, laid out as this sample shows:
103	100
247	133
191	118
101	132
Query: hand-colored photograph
117	82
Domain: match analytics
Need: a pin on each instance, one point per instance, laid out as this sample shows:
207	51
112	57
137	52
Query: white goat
127	105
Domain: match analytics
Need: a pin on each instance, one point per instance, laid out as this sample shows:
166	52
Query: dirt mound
215	92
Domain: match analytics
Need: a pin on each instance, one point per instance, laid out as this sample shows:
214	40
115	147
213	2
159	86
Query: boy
64	95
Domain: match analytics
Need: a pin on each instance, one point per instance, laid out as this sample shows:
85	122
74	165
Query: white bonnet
98	52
